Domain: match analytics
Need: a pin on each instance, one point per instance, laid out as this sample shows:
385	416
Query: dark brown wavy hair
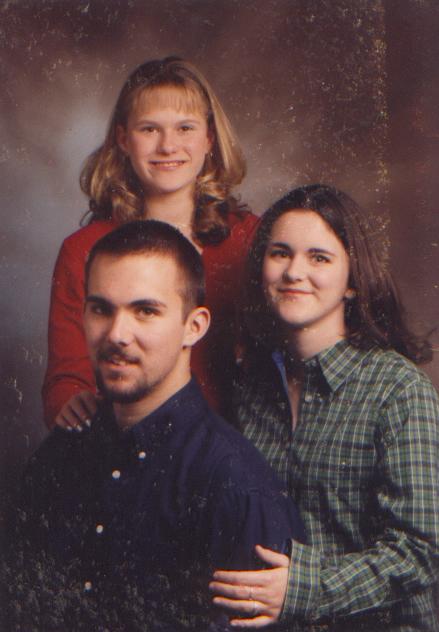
374	317
114	189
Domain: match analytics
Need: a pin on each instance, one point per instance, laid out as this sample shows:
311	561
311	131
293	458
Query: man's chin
119	394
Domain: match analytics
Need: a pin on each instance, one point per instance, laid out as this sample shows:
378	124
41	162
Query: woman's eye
319	258
186	128
148	129
277	253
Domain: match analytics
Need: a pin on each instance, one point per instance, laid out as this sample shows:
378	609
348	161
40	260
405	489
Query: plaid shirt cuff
301	600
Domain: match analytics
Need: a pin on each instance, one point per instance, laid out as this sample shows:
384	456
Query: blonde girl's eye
148	129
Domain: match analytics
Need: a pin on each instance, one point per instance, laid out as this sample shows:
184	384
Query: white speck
308	398
115	474
99	528
87	585
142	455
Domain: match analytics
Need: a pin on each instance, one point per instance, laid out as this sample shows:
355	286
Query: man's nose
120	330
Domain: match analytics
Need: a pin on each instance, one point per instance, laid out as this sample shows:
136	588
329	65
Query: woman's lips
166	165
294	292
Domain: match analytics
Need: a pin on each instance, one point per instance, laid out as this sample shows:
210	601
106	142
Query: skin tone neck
305	343
176	208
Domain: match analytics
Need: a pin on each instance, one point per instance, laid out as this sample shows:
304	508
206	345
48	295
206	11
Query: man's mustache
114	353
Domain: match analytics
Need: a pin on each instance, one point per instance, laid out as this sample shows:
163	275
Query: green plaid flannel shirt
363	467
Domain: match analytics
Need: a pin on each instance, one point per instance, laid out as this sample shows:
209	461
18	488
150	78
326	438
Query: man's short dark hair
151	237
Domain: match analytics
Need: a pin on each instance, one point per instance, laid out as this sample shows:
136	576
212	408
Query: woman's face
305	274
166	142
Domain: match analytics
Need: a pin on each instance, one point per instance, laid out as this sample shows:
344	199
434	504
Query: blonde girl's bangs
186	98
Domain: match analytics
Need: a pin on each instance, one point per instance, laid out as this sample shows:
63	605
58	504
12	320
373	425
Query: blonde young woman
169	154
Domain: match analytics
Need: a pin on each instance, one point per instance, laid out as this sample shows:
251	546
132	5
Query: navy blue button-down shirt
135	521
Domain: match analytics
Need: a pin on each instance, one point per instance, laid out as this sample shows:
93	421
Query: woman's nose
167	142
295	269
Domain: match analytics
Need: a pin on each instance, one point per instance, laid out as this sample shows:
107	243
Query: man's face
134	326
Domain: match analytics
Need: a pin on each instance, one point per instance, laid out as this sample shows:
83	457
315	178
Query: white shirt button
99	528
87	585
142	455
115	474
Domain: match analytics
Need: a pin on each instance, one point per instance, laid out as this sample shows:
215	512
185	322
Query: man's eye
186	128
149	129
146	312
99	310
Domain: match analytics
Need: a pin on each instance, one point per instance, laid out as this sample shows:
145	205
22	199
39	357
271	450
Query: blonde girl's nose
167	141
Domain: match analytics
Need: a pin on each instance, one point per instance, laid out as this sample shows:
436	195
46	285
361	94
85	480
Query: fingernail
88	423
78	428
69	428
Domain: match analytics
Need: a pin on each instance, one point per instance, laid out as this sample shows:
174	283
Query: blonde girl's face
166	139
305	275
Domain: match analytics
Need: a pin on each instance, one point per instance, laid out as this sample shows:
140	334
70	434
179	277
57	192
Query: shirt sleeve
68	370
245	516
403	559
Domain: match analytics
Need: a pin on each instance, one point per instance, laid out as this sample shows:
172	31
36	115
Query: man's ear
121	138
197	323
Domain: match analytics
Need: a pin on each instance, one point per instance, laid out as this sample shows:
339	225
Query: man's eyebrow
147	302
94	298
140	302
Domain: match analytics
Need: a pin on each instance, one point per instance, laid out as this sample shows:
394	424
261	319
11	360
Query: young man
121	525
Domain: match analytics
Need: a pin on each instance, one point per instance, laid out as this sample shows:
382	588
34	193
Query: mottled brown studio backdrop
341	91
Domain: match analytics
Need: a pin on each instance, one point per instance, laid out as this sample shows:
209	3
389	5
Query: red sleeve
68	367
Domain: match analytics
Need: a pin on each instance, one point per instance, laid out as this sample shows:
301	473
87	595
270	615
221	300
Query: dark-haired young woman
170	154
331	396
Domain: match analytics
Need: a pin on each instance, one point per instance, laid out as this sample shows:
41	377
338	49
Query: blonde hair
110	182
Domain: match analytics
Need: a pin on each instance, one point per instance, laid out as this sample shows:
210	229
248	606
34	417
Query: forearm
400	529
374	579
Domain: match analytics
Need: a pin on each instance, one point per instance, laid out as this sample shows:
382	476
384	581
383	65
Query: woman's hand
78	411
259	595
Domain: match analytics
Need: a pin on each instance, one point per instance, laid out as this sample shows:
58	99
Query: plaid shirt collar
335	363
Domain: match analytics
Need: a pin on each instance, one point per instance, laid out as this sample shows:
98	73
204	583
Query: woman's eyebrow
322	251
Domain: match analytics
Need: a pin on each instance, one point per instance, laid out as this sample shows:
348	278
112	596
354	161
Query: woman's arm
398	564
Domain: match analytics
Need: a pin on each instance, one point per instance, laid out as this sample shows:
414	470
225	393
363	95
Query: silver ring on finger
254	609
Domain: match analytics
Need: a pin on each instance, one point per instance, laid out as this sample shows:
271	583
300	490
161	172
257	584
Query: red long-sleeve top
69	370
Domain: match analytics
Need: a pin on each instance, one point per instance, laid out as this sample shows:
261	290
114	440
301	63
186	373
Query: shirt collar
181	408
336	363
